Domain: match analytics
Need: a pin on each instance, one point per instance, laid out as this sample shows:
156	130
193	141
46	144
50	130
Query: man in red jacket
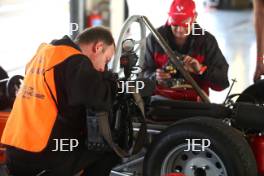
202	57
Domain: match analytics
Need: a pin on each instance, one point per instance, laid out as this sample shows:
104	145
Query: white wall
155	10
25	24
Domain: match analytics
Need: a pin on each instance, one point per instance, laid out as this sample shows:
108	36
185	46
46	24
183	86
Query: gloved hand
162	77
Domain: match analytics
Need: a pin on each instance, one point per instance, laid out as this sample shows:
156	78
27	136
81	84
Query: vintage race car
181	137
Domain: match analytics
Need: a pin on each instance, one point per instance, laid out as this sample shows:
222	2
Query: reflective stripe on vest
34	112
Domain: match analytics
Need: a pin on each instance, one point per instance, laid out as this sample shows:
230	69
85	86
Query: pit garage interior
233	29
25	24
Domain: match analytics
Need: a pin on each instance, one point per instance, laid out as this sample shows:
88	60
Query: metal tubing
126	26
129	163
144	22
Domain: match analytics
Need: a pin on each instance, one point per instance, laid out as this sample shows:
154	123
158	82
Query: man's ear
98	47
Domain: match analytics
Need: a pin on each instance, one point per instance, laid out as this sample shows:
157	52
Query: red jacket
204	48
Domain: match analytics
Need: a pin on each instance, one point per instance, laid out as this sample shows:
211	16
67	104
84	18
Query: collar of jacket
65	41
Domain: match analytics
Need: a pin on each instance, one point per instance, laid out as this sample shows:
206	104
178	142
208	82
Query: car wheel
228	154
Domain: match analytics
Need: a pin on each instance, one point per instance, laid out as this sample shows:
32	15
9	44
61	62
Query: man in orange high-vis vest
46	130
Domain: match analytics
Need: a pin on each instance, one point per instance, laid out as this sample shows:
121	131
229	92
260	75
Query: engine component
128	58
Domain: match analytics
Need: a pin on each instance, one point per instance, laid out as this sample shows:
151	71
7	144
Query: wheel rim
190	163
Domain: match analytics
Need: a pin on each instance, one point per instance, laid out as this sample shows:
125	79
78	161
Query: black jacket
202	47
79	87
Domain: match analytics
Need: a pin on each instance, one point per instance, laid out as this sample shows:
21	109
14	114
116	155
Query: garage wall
25	24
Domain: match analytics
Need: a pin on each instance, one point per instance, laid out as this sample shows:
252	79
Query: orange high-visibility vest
35	109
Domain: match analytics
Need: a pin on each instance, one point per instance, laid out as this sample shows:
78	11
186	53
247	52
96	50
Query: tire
228	155
12	87
253	94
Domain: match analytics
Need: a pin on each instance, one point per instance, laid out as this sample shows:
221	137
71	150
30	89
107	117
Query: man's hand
161	75
191	65
259	70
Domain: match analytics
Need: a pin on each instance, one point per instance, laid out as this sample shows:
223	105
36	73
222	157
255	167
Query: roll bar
174	57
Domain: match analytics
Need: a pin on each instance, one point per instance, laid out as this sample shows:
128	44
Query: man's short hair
95	34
